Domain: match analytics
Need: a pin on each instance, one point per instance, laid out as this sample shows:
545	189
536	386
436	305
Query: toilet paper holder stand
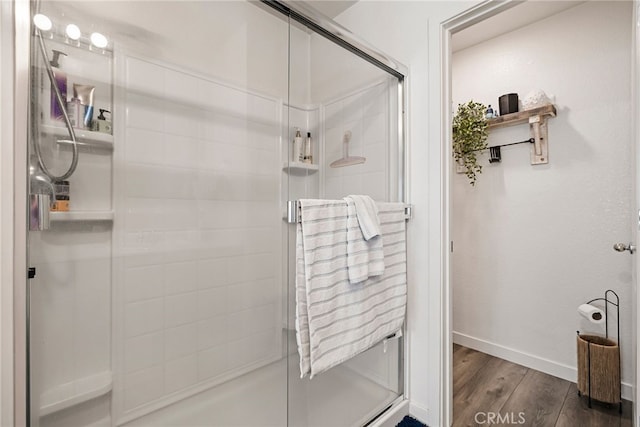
608	301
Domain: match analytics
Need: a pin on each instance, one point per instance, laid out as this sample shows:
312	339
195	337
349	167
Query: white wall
534	242
410	32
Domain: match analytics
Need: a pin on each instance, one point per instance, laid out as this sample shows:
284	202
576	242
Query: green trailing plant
470	137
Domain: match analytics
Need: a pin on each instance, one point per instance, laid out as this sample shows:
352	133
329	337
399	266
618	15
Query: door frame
635	109
14	91
449	27
453	25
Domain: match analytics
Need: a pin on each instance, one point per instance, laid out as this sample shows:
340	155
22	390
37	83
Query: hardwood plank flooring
539	397
600	415
466	363
484	385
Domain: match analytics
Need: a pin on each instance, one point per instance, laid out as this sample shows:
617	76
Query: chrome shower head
347	160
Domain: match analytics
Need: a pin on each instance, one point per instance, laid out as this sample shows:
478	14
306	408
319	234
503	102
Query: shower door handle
621	247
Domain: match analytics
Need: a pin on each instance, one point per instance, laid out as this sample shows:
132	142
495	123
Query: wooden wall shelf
537	119
521	117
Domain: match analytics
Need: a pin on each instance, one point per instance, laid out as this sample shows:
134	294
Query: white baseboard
560	370
419	413
393	416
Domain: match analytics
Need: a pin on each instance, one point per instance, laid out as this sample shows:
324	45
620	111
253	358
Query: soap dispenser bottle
60	78
102	124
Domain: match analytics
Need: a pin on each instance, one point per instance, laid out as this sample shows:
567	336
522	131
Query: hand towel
367	213
365	258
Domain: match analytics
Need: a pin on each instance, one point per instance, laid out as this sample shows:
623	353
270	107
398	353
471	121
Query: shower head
346	159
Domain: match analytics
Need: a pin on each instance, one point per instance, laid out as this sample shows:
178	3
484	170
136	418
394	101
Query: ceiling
330	8
522	14
510	20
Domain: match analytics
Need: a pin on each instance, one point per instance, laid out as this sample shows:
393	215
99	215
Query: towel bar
294	217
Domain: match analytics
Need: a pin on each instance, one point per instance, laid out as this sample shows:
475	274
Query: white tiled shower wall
365	113
198	253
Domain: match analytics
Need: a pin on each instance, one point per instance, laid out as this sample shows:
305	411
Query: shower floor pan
336	398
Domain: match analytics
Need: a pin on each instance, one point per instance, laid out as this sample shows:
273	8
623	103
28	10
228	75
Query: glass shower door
163	292
349	107
160	291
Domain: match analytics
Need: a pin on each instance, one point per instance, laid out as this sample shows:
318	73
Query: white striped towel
365	257
367	213
336	320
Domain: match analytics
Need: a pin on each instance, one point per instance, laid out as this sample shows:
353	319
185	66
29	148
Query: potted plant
469	137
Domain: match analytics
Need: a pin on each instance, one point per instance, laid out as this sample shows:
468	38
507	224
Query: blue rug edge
408	421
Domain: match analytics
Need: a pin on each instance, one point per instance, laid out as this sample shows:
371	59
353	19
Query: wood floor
492	391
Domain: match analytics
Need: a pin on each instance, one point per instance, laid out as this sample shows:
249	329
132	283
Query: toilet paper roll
591	313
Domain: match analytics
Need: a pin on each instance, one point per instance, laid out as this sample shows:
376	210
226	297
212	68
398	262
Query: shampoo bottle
298	155
75	110
308	149
61	82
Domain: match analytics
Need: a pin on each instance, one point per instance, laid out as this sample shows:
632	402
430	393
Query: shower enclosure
163	265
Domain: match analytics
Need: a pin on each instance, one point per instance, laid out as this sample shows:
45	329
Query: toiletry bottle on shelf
101	124
61	81
75	110
308	150
85	94
61	204
297	155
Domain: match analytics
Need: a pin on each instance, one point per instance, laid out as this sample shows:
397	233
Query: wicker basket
603	356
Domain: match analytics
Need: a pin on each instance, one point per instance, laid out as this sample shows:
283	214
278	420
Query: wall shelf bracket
540	147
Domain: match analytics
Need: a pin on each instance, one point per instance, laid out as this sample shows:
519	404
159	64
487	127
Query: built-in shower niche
81	66
90	185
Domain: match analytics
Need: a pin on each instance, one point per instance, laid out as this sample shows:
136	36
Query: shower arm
63	108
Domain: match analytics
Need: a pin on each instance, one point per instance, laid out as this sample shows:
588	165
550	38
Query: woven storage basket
605	368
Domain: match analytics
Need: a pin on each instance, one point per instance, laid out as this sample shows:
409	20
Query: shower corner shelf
77	216
75	392
84	137
299	168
